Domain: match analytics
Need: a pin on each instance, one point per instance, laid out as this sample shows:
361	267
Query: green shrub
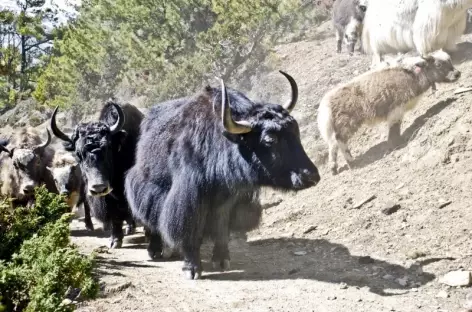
38	263
21	223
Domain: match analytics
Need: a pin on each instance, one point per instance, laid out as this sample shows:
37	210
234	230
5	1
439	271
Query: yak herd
192	168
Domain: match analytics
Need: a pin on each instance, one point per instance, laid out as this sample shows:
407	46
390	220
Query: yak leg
191	246
182	220
130	226
116	239
83	200
147	234
376	60
394	136
157	248
87	218
220	258
346	153
333	157
339	40
155	245
192	260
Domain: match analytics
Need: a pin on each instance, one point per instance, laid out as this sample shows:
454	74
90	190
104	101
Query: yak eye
438	64
20	166
270	139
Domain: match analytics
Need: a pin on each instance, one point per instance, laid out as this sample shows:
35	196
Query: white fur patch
441	55
23	156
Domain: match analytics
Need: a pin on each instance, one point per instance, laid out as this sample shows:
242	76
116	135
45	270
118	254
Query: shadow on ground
276	259
95	233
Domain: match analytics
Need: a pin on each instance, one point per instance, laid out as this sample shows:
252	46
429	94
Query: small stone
300	253
414	290
415	254
364	201
442	294
332	297
402	281
456	278
343	286
293	271
443	203
310	229
388	277
390	208
400	186
366	260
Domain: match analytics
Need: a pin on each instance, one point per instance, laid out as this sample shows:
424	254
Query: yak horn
58	133
293	101
120	122
234	127
45	144
6	150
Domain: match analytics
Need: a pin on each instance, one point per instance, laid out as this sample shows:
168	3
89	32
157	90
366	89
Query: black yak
198	162
106	150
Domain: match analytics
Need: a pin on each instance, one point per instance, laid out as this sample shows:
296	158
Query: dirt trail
351	259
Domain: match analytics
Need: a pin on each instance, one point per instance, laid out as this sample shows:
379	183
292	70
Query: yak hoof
223	265
167	252
116	243
334	170
154	255
89	227
130	230
193	275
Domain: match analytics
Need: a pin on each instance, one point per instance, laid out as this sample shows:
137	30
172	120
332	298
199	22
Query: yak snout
28	189
99	189
455	74
305	178
65	192
310	176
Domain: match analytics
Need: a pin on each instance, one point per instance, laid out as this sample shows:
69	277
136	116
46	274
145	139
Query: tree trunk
23	63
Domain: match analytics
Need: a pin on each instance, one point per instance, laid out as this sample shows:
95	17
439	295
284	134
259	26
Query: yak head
434	67
269	139
28	165
67	177
94	144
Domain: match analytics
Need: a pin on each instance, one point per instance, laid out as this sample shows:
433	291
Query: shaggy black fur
192	179
111	156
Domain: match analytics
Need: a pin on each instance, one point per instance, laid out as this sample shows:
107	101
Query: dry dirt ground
316	250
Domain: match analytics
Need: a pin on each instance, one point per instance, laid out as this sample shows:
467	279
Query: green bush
39	264
21	223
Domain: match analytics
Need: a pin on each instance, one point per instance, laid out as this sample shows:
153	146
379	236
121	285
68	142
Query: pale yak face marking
26	163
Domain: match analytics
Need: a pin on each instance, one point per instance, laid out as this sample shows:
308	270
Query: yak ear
234	138
421	62
120	138
69	146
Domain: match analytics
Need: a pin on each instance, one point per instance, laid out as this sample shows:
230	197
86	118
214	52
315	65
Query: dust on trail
349	259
